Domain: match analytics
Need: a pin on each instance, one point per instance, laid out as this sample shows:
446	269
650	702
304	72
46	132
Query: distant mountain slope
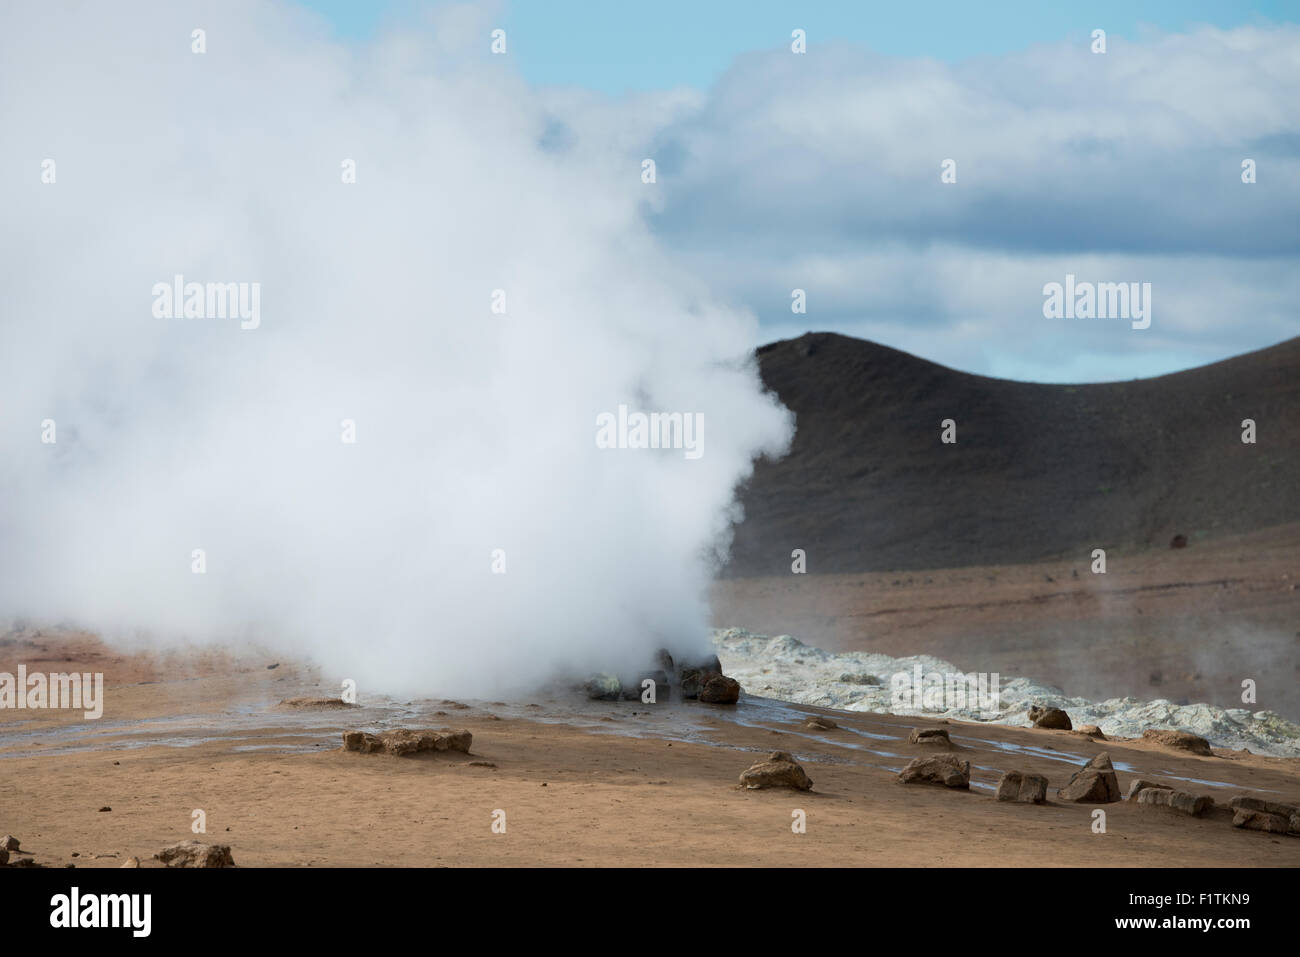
1038	470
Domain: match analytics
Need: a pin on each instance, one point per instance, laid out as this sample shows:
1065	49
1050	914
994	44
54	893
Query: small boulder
131	862
818	722
1178	740
1261	821
936	737
9	842
1141	784
719	689
945	769
1090	731
196	854
399	741
1094	783
1022	788
780	770
1177	800
603	687
1053	719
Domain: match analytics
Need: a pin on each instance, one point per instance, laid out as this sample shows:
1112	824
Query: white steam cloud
475	431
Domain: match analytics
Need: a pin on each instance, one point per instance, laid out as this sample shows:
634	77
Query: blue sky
616	47
820	172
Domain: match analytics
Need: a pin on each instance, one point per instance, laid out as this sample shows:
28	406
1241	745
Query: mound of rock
1255	814
406	741
945	770
719	689
1053	719
196	854
779	770
1022	788
936	737
1094	783
1178	740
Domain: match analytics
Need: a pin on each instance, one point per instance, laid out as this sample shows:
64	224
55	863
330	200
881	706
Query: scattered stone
779	770
273	667
1178	541
308	702
819	722
131	862
406	741
1138	785
105	808
1094	783
603	687
1022	788
1178	800
481	764
196	854
1090	731
719	689
1178	740
1053	719
945	769
9	842
932	736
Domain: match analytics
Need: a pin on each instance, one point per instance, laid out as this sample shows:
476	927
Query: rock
689	680
1179	740
196	854
1261	821
862	679
1053	719
1091	731
131	862
1178	800
664	660
1022	788
780	770
1094	783
819	722
4	857
1178	541
603	687
932	736
1244	802
407	741
306	703
1141	784
945	769
9	842
719	689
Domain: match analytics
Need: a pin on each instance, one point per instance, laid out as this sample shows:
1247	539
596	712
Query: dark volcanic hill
1038	471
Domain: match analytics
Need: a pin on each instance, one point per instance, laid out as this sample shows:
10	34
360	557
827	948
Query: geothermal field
495	435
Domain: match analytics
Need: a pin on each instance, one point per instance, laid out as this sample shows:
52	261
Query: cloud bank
822	172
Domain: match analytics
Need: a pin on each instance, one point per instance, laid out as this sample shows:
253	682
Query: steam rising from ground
474	431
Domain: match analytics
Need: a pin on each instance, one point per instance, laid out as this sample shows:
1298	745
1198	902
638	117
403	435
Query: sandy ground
581	783
1187	625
